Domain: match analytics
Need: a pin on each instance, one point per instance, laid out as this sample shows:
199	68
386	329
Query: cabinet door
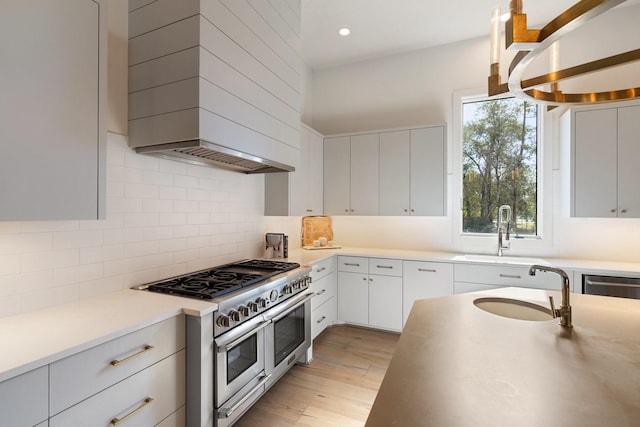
353	297
337	161
424	280
24	399
595	163
314	188
364	174
628	155
299	193
385	302
53	86
394	173
428	171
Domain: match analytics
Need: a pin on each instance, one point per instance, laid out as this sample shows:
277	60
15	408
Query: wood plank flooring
337	388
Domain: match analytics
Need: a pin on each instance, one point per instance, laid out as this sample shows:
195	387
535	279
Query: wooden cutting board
314	227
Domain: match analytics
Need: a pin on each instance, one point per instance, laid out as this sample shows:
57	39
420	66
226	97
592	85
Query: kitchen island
457	365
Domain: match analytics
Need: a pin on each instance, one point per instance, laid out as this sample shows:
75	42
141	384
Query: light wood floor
336	389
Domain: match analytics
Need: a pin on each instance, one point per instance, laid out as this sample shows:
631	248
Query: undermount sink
495	259
514	309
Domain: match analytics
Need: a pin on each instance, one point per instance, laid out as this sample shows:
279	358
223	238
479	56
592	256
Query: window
499	164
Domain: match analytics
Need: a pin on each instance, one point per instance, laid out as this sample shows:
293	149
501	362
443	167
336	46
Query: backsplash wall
164	218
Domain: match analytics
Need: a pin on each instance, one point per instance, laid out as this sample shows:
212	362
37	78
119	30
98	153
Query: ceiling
384	27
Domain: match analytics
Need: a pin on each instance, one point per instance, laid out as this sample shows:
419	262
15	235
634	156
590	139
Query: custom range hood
200	152
216	83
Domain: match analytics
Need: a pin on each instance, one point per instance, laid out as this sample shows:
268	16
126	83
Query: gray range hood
205	153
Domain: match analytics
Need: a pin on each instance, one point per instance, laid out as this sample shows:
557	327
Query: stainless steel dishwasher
625	287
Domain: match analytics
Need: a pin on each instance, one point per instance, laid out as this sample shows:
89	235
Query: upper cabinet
298	193
395	173
351	175
412	172
605	146
216	77
52	127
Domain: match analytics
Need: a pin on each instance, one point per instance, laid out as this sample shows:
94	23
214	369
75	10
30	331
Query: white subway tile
157	178
185	181
77	274
122	235
151	205
38	261
199	171
31	301
157	233
197	218
172	193
186	256
122	266
198	242
9	306
140	191
157	261
123	204
185	206
193	194
77	239
172	218
100	286
9	264
101	254
137	249
139	161
172	166
172	245
185	231
25	242
28	282
137	219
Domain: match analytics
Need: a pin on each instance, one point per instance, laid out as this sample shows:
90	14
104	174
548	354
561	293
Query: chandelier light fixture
531	43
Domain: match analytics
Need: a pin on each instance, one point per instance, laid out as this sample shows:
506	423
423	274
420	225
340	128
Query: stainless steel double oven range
261	328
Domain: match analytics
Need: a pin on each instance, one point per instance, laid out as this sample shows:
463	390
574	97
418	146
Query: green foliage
499	164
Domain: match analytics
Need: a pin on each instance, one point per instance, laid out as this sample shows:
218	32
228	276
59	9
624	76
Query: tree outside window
499	164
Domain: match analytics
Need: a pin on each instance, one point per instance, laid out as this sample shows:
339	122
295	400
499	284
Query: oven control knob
253	306
234	315
296	285
223	321
244	310
286	289
261	302
273	296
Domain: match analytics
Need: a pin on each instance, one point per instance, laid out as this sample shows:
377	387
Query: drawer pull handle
321	292
320	270
144	350
321	319
427	270
117	421
352	264
511	276
384	266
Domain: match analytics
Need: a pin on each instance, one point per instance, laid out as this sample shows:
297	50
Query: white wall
416	88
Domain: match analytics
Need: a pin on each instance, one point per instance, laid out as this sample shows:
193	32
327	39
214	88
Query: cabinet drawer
83	374
177	419
323	268
322	317
506	276
385	266
353	264
325	288
24	399
163	382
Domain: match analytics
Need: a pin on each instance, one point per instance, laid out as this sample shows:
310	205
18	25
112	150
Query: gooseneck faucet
564	312
503	228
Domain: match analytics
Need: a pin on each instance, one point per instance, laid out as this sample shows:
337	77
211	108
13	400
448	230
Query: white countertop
37	338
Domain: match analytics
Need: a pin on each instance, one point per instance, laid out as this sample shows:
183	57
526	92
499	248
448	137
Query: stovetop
218	281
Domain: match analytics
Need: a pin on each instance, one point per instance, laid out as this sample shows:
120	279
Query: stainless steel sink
514	309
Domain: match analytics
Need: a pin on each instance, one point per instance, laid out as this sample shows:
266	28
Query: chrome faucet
564	312
503	241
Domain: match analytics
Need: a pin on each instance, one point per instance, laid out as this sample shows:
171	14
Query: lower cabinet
423	279
353	297
385	302
24	400
143	399
478	277
323	306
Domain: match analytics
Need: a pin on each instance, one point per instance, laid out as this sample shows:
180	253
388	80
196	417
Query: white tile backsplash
164	218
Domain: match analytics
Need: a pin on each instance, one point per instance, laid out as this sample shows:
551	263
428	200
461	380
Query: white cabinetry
323	306
385	293
351	175
605	149
353	290
413	172
222	71
370	291
422	279
298	193
24	400
52	127
477	277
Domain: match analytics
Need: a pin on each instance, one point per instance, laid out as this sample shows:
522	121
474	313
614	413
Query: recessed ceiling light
344	31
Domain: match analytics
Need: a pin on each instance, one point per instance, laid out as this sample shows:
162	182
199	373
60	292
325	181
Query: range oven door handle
224	347
226	412
282	310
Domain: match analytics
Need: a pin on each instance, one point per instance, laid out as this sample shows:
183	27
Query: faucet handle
554	313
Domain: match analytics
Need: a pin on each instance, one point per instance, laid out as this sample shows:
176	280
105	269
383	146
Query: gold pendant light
531	43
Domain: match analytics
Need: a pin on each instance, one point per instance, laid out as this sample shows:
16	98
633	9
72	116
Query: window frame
488	242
